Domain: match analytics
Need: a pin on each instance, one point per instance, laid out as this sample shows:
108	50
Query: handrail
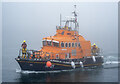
45	55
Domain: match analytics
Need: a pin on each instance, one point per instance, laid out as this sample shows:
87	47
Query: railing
35	54
95	52
64	28
29	54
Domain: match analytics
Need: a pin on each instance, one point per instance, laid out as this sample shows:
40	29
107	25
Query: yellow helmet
24	41
94	44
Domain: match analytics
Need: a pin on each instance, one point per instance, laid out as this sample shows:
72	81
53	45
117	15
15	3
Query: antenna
76	24
75	15
75	20
60	20
71	20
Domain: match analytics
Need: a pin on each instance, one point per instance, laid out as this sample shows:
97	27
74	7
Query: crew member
95	49
94	46
24	49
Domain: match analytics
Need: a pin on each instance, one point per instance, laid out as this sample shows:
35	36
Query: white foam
18	70
111	57
112	62
28	72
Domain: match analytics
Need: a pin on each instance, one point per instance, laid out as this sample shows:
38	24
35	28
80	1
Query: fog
98	22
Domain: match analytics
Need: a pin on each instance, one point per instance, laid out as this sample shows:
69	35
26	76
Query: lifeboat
65	50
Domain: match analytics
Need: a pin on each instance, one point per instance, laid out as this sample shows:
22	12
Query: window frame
45	42
79	45
61	45
55	45
73	45
50	43
70	44
65	44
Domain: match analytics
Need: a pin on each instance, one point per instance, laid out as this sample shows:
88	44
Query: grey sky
32	21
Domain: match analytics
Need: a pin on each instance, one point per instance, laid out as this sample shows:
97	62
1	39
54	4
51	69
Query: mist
98	22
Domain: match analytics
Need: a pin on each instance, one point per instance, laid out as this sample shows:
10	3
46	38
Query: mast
60	20
76	25
71	20
75	15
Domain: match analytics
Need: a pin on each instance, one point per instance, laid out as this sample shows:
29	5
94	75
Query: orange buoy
48	64
30	57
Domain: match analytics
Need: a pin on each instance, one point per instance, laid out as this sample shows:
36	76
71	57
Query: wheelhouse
66	43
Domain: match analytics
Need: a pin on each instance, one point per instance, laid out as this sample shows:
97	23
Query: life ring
48	64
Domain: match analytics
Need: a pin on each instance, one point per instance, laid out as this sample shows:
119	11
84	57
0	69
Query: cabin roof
68	36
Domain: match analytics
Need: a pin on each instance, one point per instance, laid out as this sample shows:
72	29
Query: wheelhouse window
49	43
69	44
44	43
72	44
66	45
62	44
79	45
56	43
75	44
